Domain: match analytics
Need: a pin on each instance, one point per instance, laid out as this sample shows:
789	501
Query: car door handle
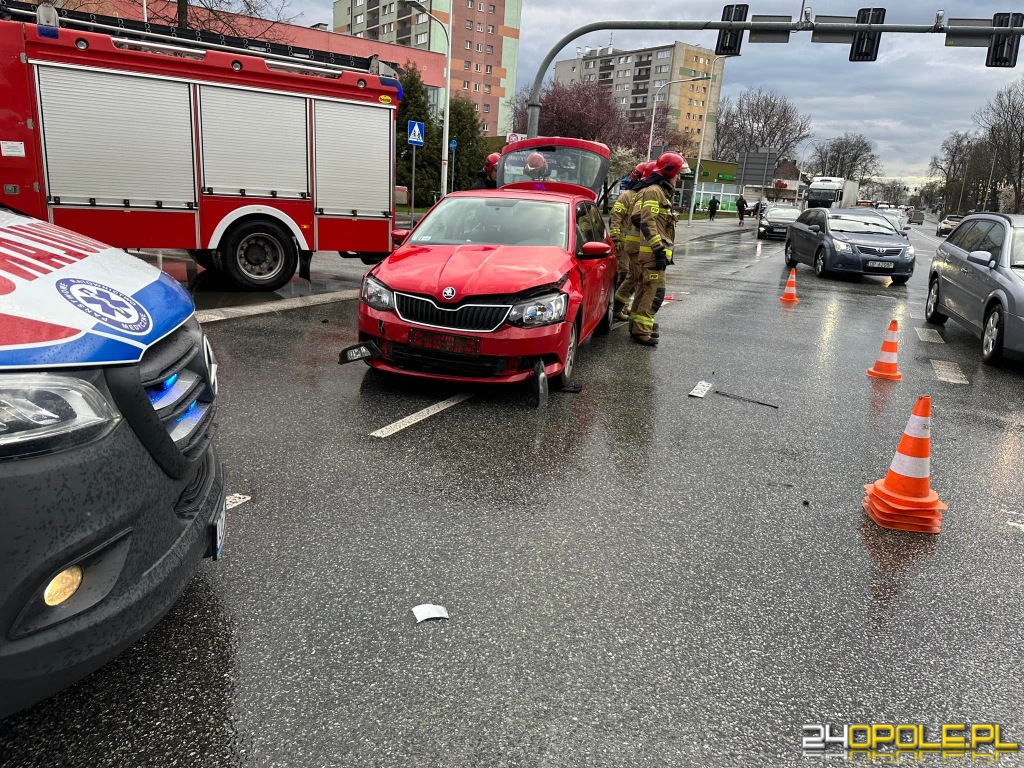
964	271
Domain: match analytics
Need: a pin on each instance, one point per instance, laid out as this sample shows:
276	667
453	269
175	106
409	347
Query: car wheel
992	336
819	263
931	306
605	326
788	254
937	233
900	279
565	378
260	256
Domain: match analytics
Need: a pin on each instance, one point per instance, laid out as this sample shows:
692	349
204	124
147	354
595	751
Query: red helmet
491	162
669	165
536	166
648	169
638	172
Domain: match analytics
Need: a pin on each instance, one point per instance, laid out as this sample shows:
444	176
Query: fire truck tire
372	258
204	259
259	255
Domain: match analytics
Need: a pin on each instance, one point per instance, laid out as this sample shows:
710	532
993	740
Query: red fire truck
251	161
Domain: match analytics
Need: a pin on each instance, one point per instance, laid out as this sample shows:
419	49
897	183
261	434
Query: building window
359	3
360	18
358	34
589	65
659	83
661	97
477	67
490	49
665	54
621	100
421	38
487	127
491	9
469	4
487	88
488	69
479	26
421	18
479	47
469	46
661	69
465	85
469	25
490	29
487	107
476	107
476	87
465	64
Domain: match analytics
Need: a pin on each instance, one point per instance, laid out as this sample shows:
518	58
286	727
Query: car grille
469	317
868	250
445	363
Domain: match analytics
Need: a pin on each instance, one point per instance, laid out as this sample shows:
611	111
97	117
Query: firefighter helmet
648	169
536	166
669	165
637	173
491	162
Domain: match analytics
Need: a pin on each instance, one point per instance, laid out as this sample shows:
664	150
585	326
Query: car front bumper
776	231
505	356
857	264
136	532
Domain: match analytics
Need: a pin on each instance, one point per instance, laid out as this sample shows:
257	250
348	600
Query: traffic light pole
964	33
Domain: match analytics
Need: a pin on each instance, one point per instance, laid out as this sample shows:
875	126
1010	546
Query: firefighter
627	241
536	167
652	214
487	177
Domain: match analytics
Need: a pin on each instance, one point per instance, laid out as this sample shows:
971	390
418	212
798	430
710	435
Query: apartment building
638	77
485	45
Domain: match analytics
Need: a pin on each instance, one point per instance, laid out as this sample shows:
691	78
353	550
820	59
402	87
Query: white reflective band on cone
908	466
919	426
887	357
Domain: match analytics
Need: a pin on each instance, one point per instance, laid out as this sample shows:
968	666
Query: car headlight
841	246
544	310
45	413
377	295
909	253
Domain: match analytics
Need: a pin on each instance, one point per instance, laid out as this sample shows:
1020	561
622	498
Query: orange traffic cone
789	295
904	500
885	367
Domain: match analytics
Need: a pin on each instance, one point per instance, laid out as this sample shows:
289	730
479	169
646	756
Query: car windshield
494	221
892	218
783	214
860	224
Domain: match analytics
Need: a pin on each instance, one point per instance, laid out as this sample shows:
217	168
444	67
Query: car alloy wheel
564	379
992	337
788	252
819	264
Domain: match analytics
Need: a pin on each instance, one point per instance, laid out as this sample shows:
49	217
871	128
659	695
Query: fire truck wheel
204	259
259	255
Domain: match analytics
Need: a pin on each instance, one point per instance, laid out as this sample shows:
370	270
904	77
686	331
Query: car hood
874	241
778	221
69	301
472	270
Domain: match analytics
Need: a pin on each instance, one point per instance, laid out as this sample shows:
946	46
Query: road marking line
619	324
216	315
930	335
949	372
1015	525
236	500
915	314
419	416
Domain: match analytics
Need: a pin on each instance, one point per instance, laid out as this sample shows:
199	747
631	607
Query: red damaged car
498	285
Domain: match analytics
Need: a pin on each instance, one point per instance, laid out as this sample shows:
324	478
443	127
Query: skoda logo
110	307
448	293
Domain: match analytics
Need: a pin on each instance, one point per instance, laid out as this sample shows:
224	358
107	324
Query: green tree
464	128
415	105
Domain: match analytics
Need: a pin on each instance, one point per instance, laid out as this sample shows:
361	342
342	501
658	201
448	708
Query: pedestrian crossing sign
416	133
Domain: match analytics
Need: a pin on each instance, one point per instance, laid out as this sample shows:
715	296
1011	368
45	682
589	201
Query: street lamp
800	167
700	149
416	5
654	108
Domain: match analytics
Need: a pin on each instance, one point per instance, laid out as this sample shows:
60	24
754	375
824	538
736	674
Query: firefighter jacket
622	229
652	214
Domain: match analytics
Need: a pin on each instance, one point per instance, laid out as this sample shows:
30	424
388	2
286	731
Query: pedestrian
487	177
756	213
713	208
652	214
741	208
627	241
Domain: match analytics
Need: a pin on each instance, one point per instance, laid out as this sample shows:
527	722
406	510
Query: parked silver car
977	278
915	216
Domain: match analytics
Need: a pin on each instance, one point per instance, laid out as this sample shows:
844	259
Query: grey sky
906	102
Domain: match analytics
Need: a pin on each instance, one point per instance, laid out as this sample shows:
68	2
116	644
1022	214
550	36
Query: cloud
906	102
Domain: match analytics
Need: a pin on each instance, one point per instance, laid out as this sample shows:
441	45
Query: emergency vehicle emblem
384	99
448	293
105	304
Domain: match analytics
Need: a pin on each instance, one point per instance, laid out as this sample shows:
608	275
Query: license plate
218	530
444	342
881	264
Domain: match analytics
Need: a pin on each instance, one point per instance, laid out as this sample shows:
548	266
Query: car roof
1014	219
541	195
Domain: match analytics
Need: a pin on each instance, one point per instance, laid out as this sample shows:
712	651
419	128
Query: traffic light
865	44
730	40
1002	49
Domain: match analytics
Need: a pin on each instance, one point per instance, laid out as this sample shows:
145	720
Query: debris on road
702	388
236	499
428	611
743	399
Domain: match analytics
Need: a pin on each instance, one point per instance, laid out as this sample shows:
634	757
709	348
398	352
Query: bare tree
252	19
1002	119
759	118
964	162
850	156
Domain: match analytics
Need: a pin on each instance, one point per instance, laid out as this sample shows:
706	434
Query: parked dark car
977	278
916	216
775	221
947	223
850	240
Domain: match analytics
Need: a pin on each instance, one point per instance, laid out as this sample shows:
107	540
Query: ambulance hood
69	301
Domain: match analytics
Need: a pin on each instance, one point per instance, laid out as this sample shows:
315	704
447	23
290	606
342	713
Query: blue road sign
416	133
452	145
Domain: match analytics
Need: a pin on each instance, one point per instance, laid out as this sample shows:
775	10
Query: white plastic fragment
235	499
701	389
428	611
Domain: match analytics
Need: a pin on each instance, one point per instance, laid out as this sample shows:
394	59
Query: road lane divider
930	335
949	372
419	416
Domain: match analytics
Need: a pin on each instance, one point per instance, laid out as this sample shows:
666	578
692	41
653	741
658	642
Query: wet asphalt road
634	577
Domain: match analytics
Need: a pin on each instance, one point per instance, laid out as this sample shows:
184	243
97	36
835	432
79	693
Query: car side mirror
594	250
816	229
398	236
983	258
906	228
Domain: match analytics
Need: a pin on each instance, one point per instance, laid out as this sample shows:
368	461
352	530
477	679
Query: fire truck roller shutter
354	160
110	138
254	141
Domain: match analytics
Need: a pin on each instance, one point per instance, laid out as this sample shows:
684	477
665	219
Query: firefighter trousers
625	287
650	291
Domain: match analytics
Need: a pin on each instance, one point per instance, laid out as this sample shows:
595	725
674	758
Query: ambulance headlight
377	295
46	413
